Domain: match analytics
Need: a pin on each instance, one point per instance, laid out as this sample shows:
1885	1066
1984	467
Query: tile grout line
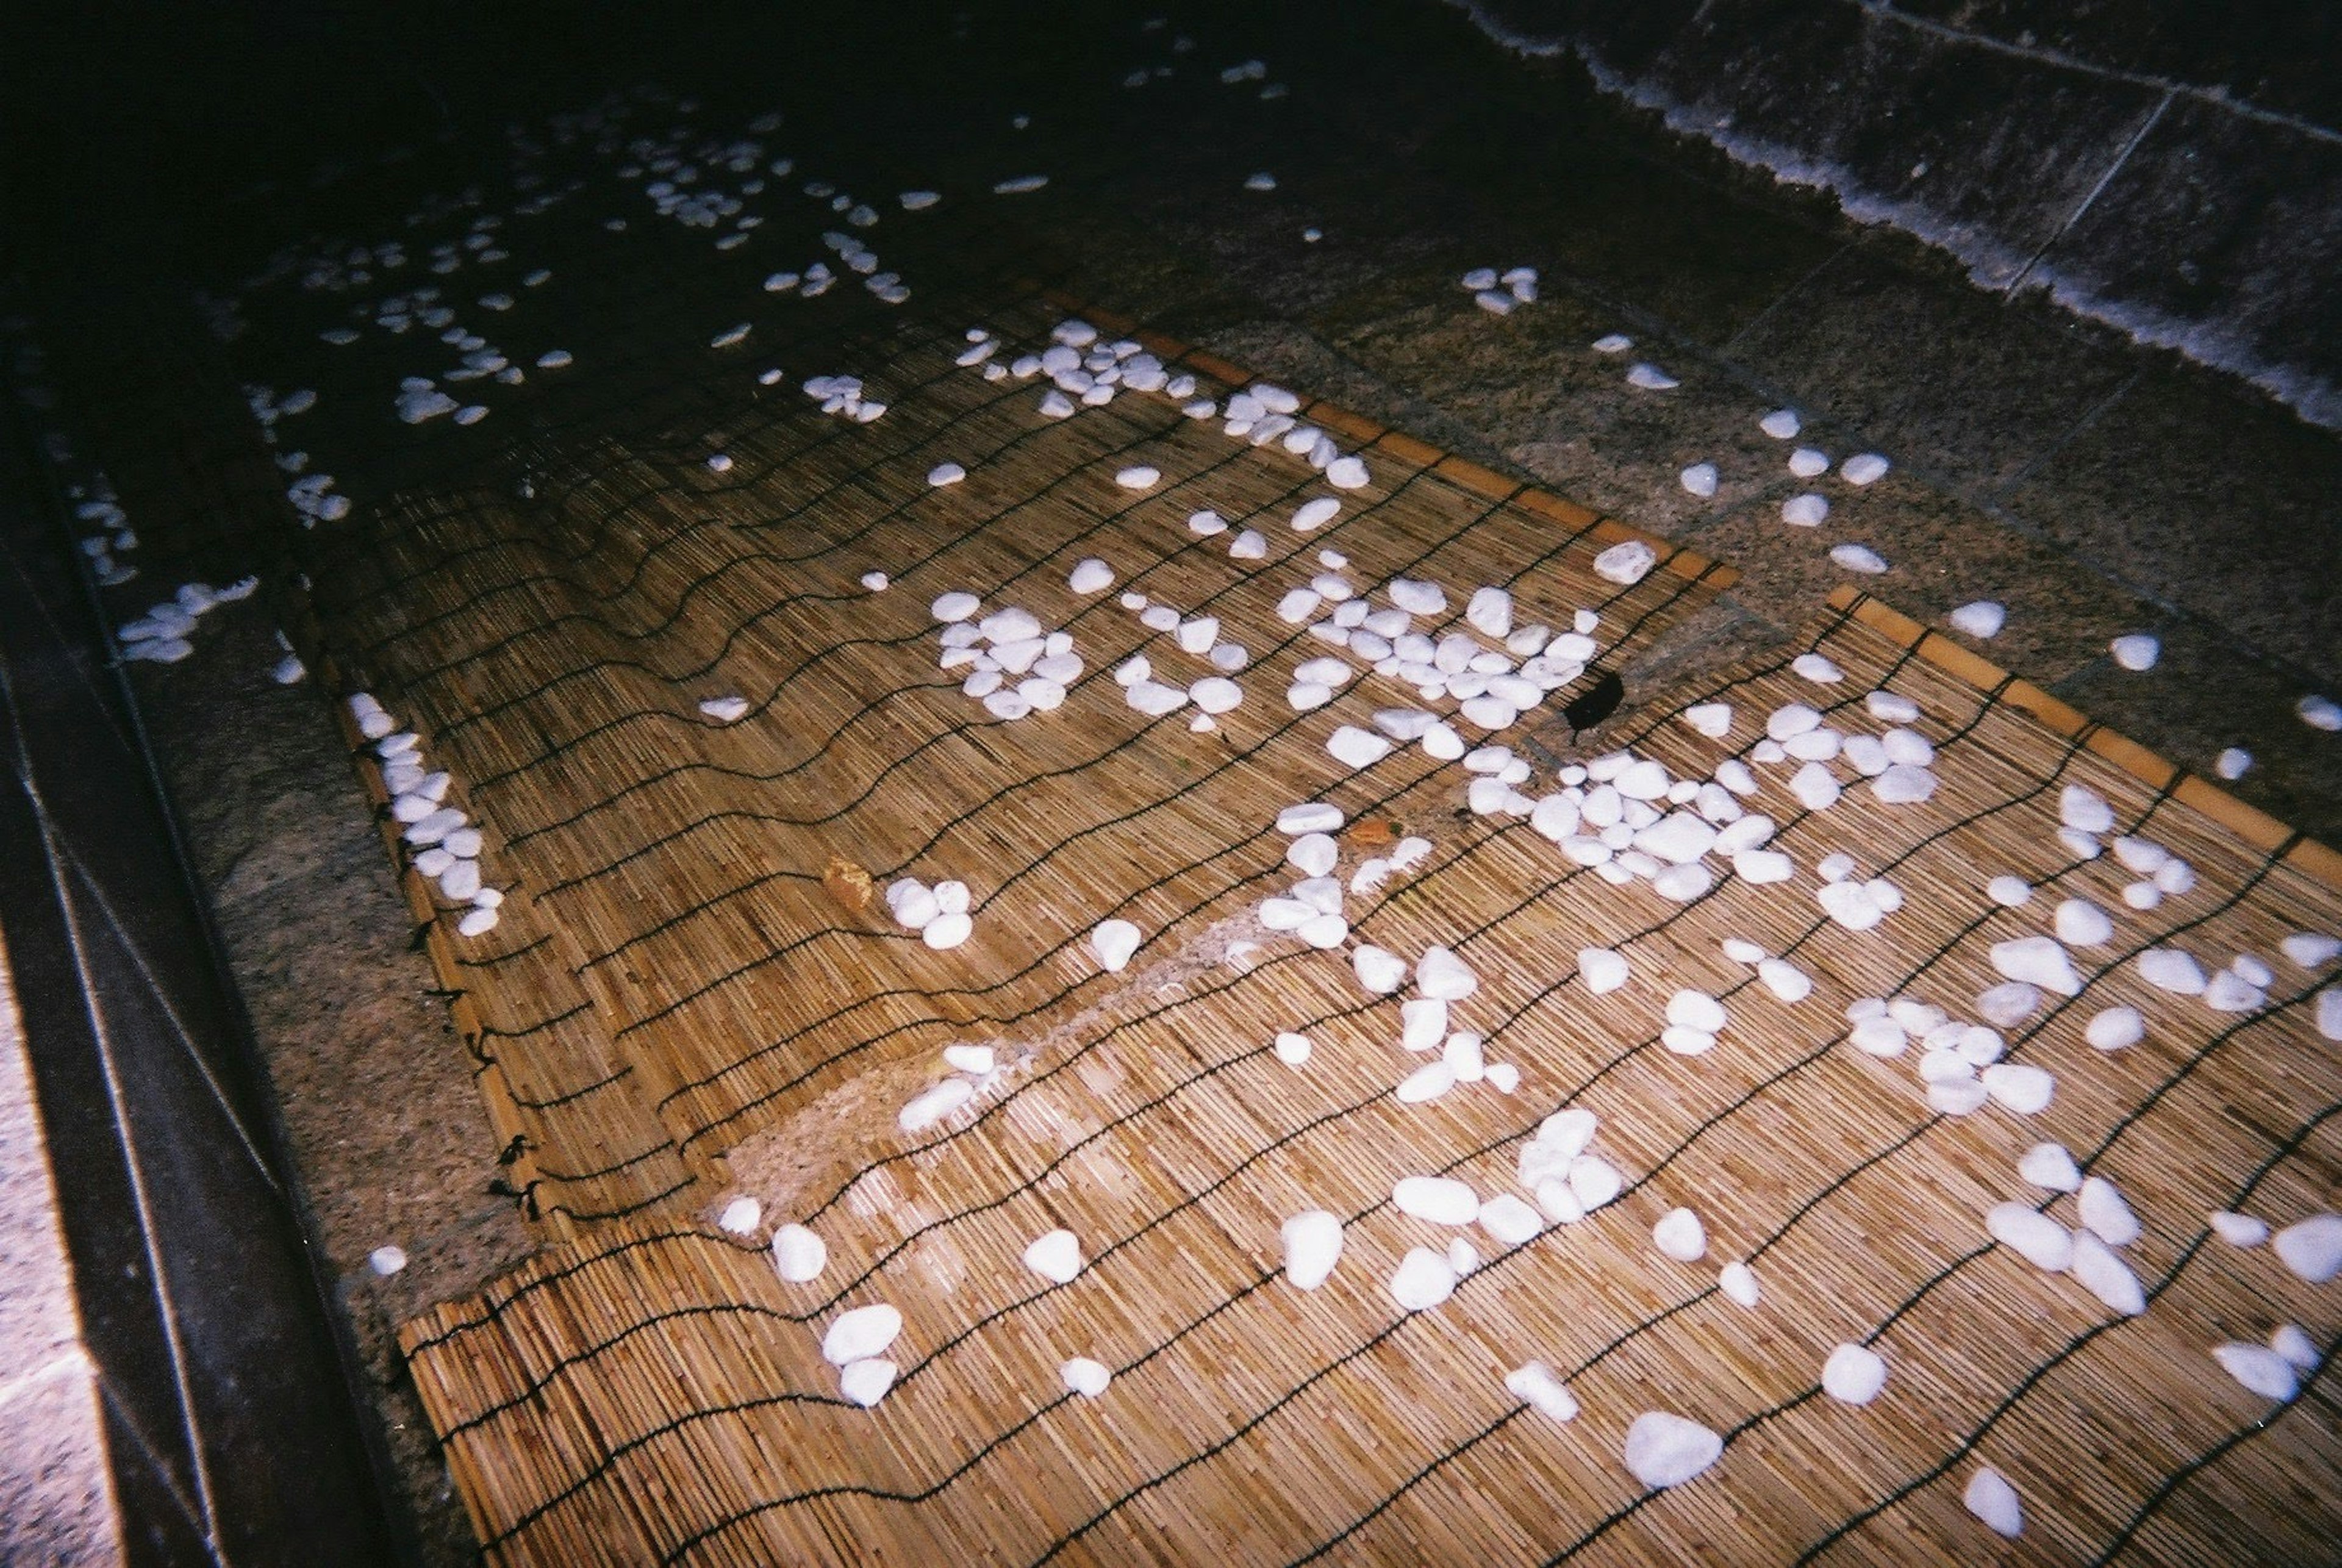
178	1025
2121	158
2079	428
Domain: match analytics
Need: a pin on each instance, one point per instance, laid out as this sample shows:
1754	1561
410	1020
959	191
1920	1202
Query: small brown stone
847	883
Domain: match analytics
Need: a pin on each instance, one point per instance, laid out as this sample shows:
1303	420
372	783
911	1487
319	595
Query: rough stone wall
2171	167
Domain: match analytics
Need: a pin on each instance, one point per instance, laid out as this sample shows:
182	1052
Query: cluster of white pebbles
442	839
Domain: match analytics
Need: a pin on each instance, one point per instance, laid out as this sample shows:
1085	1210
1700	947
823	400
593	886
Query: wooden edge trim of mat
1688	565
2252	825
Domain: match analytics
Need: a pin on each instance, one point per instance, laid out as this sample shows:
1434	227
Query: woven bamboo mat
655	1392
670	975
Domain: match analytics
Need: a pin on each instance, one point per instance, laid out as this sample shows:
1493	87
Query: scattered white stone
1665	1449
861	1333
1056	1257
1982	619
1613	342
1680	1235
1090	575
2105	1276
2319	713
1442	976
925	1110
2170	969
2037	961
798	1254
386	1260
1806	511
1347	474
1510	1221
1357	748
1863	468
1781	424
2106	1214
2135	651
1442	1200
1084	1376
2238	1230
1994	1501
1806	462
2310	949
2019	1086
865	1382
741	1216
1699	479
2258	1369
1113	943
2050	1165
1424	1278
1602	969
2312	1248
1378	971
1534	1385
1313	1243
1854	1375
1859	558
1626	562
1650	377
2291	1341
1738	1280
2040	1239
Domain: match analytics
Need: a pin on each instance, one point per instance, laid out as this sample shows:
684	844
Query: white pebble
1983	618
861	1333
1854	1375
1313	1244
1781	424
1990	1497
1699	479
2103	1212
1664	1450
1680	1235
2105	1276
2115	1028
944	474
2135	651
2312	1248
2232	763
2010	891
865	1382
1090	575
1086	1377
1113	943
2051	1166
798	1254
2238	1230
386	1260
1806	462
1535	1385
1603	969
1439	1198
741	1216
1138	476
1424	1278
2040	1239
2319	713
1650	377
2258	1369
1378	971
1626	562
1739	1282
1056	1257
1859	558
923	1110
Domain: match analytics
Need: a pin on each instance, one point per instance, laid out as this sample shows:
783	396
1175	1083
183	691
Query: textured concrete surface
2173	170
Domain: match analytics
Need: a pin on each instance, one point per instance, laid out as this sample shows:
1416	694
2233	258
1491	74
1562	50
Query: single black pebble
1595	704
